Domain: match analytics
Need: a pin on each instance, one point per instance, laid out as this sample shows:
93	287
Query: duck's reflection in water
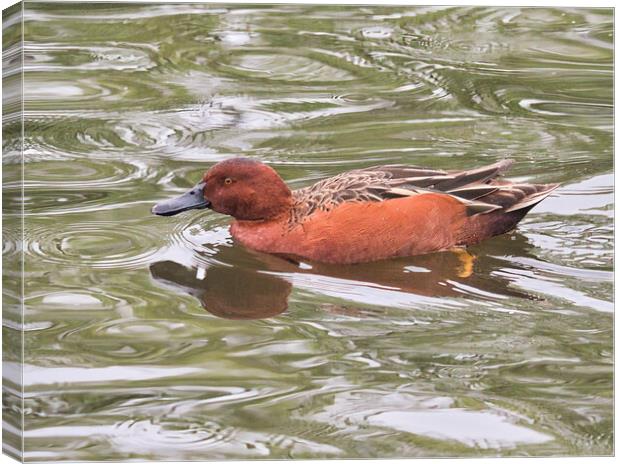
242	284
228	292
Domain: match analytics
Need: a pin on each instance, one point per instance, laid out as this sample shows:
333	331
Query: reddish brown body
360	232
363	215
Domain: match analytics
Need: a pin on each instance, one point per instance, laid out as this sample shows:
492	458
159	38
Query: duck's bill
194	199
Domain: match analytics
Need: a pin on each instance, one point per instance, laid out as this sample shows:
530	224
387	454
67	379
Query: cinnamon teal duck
362	215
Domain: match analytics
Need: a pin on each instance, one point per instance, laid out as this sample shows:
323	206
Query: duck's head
243	188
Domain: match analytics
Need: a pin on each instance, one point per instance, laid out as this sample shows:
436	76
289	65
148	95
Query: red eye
228	180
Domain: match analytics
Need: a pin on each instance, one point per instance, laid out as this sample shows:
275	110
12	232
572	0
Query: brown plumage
365	214
477	189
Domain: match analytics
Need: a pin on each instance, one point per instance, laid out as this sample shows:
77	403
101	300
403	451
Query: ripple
377	32
593	196
72	300
288	68
11	241
79	376
51	201
114	15
562	108
169	437
53	57
82	174
238	38
139	329
63	93
428	416
205	241
472	428
94	245
57	137
102	90
187	133
183	132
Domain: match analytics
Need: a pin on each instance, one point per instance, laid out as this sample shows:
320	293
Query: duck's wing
477	188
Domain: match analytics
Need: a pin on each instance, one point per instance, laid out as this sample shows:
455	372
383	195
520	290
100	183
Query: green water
159	338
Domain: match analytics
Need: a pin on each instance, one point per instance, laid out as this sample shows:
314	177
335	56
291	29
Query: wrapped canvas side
12	231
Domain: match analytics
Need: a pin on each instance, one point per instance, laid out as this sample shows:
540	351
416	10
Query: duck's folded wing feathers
478	189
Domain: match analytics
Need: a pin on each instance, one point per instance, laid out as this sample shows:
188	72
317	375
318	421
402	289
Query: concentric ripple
82	173
287	68
93	245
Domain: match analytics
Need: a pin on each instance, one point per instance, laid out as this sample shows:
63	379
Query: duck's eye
228	180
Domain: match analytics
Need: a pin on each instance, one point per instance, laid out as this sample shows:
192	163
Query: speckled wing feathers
477	189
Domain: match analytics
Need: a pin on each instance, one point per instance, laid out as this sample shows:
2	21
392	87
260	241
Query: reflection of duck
250	285
362	215
227	292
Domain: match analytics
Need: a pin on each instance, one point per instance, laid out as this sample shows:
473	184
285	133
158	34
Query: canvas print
299	231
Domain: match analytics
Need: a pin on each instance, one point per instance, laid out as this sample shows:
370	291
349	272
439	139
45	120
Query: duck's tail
534	195
518	197
514	202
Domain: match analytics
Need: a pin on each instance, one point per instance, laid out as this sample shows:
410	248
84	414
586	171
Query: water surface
159	338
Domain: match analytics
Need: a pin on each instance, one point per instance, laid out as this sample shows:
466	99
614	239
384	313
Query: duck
363	215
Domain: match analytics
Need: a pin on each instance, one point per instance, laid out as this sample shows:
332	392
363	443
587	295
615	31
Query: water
159	338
